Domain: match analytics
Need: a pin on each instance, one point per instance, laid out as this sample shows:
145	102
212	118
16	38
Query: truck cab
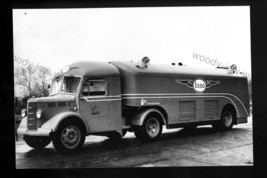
85	98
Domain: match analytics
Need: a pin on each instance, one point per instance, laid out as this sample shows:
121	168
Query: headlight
38	113
23	112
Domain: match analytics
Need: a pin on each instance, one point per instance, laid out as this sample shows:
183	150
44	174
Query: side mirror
48	86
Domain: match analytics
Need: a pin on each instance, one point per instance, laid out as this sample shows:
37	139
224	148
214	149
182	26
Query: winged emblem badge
198	85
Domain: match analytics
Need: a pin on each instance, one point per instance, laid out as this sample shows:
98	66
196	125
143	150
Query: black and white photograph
128	87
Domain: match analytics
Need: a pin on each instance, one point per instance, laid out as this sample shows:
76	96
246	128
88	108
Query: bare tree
34	82
25	77
42	77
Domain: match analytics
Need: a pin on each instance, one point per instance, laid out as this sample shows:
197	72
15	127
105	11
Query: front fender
23	123
24	131
53	123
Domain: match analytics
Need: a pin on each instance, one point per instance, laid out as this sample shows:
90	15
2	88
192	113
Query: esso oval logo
199	85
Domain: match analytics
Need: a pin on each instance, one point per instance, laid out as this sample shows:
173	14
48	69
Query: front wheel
37	142
150	130
69	137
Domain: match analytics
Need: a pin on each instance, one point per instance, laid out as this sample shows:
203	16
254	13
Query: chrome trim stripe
182	94
104	96
101	100
188	97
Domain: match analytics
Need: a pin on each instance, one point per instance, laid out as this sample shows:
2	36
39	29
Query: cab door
99	105
114	96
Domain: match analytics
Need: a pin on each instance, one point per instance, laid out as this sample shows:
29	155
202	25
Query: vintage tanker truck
109	99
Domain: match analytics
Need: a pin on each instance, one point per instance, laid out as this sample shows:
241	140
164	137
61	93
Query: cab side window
94	87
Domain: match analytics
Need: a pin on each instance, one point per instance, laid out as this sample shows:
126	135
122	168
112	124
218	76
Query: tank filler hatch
143	63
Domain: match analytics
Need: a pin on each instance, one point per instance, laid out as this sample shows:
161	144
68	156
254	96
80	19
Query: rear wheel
151	128
227	120
69	137
37	142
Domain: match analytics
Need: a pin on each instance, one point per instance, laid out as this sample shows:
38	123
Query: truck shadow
129	146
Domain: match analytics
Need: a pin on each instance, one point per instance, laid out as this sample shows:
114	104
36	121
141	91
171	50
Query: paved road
176	147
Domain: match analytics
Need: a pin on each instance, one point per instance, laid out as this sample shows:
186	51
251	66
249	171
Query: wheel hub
228	119
153	127
70	136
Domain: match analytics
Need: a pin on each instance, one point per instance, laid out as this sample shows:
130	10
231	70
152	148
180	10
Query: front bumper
39	132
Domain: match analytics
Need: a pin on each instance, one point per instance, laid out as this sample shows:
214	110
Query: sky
54	38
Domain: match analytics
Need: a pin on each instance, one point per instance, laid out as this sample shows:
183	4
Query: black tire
227	120
151	128
36	142
69	137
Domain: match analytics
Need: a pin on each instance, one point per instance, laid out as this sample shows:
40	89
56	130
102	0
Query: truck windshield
70	84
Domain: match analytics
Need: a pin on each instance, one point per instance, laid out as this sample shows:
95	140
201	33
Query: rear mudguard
139	118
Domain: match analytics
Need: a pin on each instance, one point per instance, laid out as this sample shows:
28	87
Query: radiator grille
61	104
187	110
33	105
211	109
32	119
52	104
